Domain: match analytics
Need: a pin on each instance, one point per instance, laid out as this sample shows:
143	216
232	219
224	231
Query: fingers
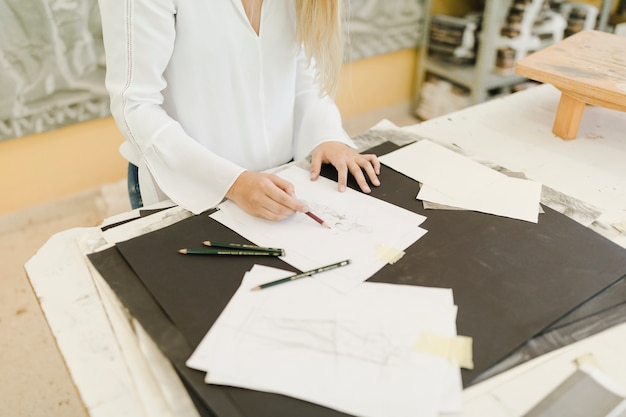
362	168
316	166
346	160
370	164
274	200
373	159
342	175
282	196
357	173
265	195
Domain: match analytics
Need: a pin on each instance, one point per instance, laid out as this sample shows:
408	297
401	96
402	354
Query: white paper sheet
494	199
451	179
449	172
351	352
360	224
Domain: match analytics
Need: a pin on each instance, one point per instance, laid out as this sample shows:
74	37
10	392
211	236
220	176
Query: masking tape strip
388	254
456	349
586	359
621	227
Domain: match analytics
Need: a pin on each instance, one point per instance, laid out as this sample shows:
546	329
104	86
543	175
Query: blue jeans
134	193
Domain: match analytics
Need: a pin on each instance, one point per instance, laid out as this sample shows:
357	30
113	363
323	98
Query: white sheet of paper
443	169
450	178
354	355
495	199
359	225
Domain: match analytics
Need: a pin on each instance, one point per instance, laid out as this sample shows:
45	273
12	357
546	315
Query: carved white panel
51	65
376	27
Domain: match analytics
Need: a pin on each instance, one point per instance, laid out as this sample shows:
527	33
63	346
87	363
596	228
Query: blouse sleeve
139	38
316	117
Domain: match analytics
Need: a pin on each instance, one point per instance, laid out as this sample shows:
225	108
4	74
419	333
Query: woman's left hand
346	159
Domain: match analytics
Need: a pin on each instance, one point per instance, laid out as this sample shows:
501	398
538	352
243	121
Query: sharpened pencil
214	251
301	275
317	219
242	246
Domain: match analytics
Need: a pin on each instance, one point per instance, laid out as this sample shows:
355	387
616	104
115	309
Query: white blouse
200	97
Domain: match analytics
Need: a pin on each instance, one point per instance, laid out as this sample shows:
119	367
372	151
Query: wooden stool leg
568	116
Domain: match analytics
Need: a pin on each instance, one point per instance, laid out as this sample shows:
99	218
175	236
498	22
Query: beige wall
59	163
375	83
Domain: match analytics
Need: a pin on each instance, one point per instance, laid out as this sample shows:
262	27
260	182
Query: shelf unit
481	77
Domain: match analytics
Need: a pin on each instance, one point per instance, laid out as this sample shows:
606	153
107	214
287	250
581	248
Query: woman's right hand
265	195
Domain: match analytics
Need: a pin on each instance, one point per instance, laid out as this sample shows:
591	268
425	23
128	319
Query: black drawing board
209	400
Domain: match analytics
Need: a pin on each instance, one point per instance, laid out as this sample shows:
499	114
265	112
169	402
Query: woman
211	93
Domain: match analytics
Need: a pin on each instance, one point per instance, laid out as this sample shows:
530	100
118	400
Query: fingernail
342	188
305	209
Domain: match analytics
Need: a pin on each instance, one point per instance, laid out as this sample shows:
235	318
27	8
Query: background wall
52	65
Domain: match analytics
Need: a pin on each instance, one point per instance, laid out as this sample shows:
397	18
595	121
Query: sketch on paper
338	221
368	342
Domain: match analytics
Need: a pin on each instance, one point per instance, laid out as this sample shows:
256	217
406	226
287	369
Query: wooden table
588	68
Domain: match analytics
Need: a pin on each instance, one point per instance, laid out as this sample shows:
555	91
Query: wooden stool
588	67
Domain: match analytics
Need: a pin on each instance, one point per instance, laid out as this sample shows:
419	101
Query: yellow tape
456	349
586	359
388	254
621	227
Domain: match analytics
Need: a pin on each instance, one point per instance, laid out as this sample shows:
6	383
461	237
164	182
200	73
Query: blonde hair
319	31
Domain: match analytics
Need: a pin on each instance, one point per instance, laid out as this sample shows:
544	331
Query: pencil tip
326	225
207	243
255	289
183	251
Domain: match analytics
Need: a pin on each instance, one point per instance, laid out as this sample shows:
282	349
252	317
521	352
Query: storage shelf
465	75
481	78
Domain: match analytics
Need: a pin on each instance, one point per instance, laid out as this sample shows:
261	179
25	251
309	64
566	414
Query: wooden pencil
242	246
224	251
317	219
301	275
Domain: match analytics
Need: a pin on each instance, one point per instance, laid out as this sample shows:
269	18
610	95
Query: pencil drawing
367	342
338	221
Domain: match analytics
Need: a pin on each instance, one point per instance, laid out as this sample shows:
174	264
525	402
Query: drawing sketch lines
337	220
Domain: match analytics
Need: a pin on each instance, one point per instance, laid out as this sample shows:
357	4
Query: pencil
317	219
214	251
243	246
301	275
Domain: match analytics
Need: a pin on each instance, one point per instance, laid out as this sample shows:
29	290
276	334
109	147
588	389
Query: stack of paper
451	179
365	352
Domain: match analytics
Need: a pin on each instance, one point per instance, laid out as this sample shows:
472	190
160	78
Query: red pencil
317	219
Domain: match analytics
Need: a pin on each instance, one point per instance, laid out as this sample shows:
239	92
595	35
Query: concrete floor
33	378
